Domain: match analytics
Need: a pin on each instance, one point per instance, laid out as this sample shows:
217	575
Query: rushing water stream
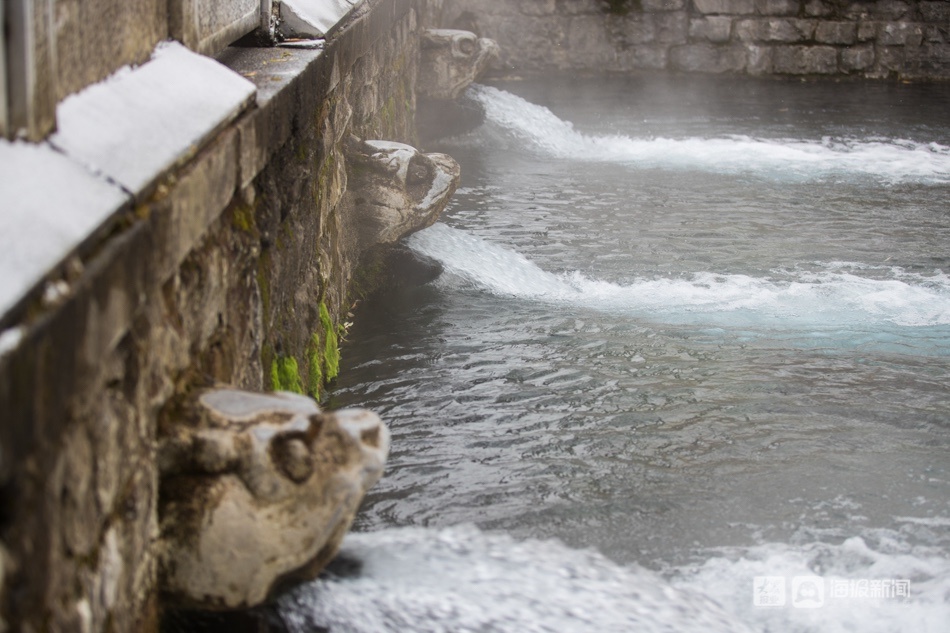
687	369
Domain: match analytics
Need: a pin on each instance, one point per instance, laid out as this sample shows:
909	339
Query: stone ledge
282	76
51	206
116	141
313	18
130	128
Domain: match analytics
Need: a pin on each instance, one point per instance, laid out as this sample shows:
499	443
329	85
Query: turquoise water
691	334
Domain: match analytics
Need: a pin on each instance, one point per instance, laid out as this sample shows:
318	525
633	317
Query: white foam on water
853	585
939	522
461	579
891	160
839	293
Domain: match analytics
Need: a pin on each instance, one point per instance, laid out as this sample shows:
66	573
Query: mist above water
832	293
890	159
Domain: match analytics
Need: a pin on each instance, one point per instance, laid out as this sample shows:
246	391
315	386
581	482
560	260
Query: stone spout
394	190
451	60
259	489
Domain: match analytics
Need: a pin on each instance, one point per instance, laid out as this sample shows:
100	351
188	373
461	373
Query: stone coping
50	205
119	139
139	124
313	18
116	140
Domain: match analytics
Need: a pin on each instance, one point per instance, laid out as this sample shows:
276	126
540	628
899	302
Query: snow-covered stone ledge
116	140
312	18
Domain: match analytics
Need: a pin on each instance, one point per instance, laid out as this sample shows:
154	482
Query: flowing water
687	369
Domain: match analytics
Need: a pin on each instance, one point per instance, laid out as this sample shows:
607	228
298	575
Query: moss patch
285	375
243	219
315	366
331	345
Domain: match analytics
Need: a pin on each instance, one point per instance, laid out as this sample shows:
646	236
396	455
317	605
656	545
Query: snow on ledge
114	140
139	123
312	18
48	206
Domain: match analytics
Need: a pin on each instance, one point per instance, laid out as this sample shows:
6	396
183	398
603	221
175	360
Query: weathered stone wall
232	268
866	38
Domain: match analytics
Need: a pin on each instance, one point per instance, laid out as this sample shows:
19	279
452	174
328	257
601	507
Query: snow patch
312	18
49	206
139	123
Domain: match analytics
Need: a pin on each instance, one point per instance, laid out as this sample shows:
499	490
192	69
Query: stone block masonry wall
864	38
231	266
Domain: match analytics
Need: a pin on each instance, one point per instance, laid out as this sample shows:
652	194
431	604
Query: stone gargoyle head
451	60
258	489
393	189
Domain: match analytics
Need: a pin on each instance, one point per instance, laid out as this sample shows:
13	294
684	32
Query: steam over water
891	159
837	293
686	369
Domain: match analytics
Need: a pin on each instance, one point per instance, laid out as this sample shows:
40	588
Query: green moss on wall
243	219
331	345
274	375
285	375
315	367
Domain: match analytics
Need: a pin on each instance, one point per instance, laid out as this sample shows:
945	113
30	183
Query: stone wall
232	265
864	38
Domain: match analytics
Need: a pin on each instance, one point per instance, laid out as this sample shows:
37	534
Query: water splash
462	579
852	584
891	160
839	294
